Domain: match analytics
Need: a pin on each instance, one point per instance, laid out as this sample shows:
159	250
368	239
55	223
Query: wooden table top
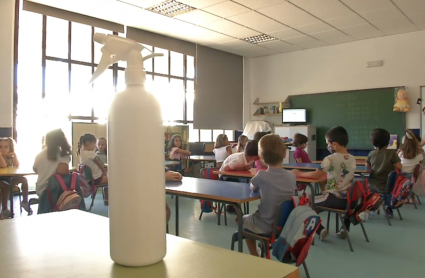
49	252
212	189
16	171
314	166
253	172
202	157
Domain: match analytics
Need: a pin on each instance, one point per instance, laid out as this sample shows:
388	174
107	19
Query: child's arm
62	169
182	151
99	164
253	187
308	175
299	160
229	150
3	163
397	166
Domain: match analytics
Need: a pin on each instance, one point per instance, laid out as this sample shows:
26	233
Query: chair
392	177
355	195
283	211
86	172
207	173
415	177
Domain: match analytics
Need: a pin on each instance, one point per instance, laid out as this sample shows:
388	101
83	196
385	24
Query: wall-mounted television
294	116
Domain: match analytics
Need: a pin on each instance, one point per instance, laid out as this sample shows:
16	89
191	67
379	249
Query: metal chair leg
399	214
232	245
306	270
413	196
225	215
336	223
329	220
200	216
92	200
419	200
345	229
364	232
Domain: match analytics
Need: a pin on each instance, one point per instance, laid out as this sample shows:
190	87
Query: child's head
380	138
242	140
409	145
87	142
7	145
221	141
272	150
300	140
56	142
175	141
251	150
259	134
101	145
336	138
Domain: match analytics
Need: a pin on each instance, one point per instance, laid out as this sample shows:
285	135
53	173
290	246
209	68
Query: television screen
290	116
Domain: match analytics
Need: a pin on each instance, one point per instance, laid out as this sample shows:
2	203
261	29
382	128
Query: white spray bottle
135	160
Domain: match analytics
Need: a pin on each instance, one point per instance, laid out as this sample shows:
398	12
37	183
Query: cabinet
182	130
307	130
267	105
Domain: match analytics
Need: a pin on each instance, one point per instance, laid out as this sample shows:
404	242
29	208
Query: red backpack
401	189
370	202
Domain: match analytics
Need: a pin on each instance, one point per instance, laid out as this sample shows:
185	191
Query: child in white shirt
409	153
86	152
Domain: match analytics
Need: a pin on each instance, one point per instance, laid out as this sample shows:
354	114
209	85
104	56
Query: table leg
177	215
239	213
11	199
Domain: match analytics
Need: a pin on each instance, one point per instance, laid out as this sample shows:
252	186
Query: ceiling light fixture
259	39
171	8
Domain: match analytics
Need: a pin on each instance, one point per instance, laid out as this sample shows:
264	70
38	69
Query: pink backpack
69	199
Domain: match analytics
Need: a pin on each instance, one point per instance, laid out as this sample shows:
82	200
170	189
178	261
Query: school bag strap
62	183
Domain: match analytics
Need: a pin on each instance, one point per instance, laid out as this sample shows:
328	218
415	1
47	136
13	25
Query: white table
51	245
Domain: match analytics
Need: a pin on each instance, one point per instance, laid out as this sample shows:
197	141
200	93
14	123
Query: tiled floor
395	251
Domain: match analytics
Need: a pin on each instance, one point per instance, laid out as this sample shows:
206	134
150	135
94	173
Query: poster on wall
393	142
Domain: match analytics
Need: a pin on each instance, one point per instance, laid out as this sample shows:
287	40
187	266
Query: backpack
85	181
206	206
293	243
69	199
419	185
370	202
400	191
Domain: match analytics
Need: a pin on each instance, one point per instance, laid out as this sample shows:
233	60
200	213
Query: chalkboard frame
322	128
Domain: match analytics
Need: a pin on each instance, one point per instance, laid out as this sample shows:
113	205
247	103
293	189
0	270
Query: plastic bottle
135	160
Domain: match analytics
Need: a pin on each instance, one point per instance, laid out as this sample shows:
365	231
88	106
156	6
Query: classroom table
169	163
202	158
314	166
358	161
52	251
10	172
231	193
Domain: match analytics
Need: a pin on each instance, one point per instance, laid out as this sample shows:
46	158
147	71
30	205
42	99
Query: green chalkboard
357	111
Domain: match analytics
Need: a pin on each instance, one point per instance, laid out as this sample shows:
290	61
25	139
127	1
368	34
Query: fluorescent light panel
260	39
171	8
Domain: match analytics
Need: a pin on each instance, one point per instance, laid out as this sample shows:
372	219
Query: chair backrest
207	173
284	210
86	172
356	192
416	172
208	148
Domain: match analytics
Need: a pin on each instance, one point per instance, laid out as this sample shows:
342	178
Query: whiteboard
79	129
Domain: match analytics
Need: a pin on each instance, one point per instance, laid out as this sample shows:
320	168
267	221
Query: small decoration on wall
393	141
401	101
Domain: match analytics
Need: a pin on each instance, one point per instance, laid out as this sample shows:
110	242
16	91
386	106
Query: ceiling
296	24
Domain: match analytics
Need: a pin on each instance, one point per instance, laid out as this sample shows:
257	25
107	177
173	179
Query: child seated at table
300	142
9	158
410	153
222	149
240	147
382	161
241	161
275	185
54	159
258	164
339	167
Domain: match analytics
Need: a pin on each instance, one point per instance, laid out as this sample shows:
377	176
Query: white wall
7	17
339	68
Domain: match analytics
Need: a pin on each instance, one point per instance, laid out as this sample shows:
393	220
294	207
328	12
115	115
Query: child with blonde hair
8	158
275	185
222	149
240	147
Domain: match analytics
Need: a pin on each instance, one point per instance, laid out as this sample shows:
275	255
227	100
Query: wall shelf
286	104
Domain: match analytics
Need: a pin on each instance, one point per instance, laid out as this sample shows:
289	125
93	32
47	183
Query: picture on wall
393	141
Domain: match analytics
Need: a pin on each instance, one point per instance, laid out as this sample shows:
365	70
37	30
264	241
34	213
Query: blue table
360	169
231	193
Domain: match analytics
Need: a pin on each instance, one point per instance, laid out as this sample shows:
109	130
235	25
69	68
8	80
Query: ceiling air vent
171	8
259	39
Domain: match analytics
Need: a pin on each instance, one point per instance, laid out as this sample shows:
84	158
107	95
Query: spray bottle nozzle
119	49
